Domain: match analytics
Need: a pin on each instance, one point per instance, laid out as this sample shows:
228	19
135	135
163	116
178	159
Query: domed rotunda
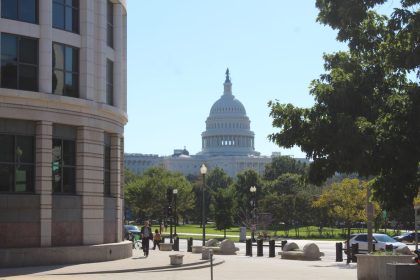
228	127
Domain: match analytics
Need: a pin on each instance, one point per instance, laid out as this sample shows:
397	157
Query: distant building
227	143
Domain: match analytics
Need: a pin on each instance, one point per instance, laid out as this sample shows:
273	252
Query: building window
109	82
65	80
66	15
19	62
110	24
22	10
17	168
64	166
107	164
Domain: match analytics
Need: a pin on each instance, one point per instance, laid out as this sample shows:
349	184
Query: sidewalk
157	267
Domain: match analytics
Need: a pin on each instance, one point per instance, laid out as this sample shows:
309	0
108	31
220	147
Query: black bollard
389	247
354	251
189	244
272	248
248	251
338	252
163	239
176	243
283	243
259	248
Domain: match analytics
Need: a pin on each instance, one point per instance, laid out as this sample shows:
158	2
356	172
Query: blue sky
178	52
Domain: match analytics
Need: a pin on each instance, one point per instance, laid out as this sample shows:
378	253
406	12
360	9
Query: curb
189	266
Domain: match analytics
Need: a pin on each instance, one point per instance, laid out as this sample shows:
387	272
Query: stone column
43	186
87	50
90	182
119	228
45	46
118	55
116	182
124	63
100	50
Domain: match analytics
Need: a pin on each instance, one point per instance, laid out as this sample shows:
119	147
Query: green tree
287	183
224	204
243	197
216	180
281	165
367	104
146	195
346	202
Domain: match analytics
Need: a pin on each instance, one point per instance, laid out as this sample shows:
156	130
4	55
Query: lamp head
203	169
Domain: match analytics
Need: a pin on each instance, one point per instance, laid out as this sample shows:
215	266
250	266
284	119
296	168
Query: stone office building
63	104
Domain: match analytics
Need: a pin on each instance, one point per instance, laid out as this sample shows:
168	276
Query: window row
19	67
65	14
17	165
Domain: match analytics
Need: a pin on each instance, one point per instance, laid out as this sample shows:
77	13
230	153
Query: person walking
146	235
156	239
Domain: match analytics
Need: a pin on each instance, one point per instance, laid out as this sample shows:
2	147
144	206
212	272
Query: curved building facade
63	103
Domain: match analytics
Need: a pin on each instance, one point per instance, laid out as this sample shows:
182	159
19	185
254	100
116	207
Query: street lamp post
253	191
175	192
203	171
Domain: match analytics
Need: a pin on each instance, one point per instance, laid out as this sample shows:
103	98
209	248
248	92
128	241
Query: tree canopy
146	194
365	119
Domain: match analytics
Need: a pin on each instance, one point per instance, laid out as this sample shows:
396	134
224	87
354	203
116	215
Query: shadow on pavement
18	271
190	266
338	265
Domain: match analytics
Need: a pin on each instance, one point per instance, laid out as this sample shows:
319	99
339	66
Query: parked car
129	230
380	241
407	237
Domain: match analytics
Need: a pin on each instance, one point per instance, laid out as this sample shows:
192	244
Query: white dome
227	105
228	127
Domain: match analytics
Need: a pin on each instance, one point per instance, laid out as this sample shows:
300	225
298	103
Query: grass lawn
310	232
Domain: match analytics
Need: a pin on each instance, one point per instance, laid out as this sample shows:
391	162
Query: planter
176	259
373	267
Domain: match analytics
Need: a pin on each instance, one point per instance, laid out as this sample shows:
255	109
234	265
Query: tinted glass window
6	148
9	47
69	179
9	9
28	77
362	238
110	24
19	62
23	10
17	163
65	80
66	15
28	10
58	15
69	152
24	149
110	82
6	177
58	56
24	178
28	51
64	166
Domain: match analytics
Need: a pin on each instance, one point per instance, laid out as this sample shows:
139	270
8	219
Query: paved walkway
157	267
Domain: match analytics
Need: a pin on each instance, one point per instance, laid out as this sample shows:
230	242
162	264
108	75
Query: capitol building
227	143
